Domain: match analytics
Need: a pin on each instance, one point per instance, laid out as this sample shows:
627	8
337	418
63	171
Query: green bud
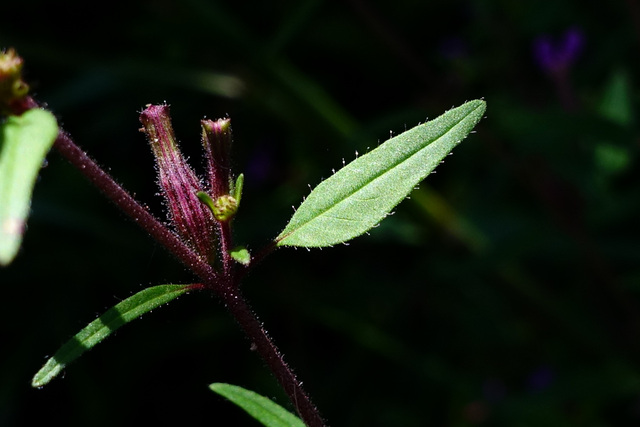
223	208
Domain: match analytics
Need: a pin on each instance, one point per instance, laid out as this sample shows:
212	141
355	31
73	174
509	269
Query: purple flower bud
192	220
216	139
558	57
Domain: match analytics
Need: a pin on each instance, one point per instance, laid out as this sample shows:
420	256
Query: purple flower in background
558	57
541	379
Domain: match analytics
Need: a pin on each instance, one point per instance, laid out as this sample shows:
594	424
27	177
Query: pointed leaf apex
358	196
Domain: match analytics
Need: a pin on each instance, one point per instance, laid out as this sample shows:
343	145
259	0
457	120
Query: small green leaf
241	255
236	190
24	142
268	413
361	194
123	312
206	199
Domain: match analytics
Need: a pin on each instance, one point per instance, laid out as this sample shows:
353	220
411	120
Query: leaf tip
37	383
48	372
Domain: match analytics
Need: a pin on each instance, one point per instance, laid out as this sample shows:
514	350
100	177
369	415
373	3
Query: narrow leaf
24	142
236	190
268	413
361	194
123	312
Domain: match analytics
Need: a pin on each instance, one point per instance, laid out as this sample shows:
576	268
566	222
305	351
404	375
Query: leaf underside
120	314
362	193
264	410
24	142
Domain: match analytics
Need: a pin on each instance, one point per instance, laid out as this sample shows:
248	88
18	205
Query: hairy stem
265	347
133	209
225	287
225	247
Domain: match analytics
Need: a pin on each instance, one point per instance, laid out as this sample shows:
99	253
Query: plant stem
224	234
265	347
225	287
132	208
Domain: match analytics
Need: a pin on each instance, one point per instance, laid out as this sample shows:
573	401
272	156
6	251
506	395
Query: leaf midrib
374	178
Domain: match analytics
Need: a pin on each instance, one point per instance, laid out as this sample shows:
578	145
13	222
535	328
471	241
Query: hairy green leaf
241	255
123	312
268	413
361	194
24	142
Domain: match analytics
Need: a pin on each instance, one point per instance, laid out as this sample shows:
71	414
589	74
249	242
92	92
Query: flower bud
179	183
216	140
223	208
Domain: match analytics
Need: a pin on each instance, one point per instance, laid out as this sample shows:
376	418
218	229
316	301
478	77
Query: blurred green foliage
504	292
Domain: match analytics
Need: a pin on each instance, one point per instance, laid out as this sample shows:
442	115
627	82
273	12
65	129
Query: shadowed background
503	292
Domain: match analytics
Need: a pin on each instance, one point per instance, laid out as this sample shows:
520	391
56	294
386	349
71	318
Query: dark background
504	292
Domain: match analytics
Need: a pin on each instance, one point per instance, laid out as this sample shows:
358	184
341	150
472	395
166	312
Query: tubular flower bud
179	183
216	140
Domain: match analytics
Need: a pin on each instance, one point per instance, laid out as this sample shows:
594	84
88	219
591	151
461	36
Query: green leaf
616	104
236	190
24	142
241	255
361	194
123	312
268	413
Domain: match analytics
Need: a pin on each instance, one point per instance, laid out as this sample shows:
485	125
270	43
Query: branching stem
224	286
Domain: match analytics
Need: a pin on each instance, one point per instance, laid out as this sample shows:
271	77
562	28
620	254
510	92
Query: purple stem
135	210
225	286
263	344
224	234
